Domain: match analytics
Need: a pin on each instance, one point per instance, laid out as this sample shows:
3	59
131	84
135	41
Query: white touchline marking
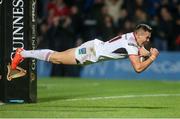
124	96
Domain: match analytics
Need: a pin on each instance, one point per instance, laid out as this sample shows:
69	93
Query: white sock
37	54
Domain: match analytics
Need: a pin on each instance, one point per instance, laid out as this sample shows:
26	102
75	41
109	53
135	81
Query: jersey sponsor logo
132	44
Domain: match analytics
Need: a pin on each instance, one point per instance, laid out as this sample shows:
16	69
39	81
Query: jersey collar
135	39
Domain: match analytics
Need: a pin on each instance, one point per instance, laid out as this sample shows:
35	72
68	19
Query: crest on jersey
15	73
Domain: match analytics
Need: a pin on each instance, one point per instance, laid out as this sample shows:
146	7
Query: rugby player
129	45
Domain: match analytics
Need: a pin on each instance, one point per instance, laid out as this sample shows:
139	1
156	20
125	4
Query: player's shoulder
130	36
130	40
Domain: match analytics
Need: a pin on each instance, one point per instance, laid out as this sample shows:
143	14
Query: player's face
143	36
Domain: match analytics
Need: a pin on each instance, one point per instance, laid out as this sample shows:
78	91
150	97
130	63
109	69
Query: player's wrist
152	57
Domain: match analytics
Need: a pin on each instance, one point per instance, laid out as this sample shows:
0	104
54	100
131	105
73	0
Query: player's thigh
86	54
65	57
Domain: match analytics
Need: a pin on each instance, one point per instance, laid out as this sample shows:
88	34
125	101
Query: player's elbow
138	69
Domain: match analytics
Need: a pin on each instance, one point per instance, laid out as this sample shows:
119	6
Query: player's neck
135	37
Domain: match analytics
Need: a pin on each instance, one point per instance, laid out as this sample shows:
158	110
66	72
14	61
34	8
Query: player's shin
43	54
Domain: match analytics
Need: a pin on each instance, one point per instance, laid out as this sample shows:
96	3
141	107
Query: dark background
63	24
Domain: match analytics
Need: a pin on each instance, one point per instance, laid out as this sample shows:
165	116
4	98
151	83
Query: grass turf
82	98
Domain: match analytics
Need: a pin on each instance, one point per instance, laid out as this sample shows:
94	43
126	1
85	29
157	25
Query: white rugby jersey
117	48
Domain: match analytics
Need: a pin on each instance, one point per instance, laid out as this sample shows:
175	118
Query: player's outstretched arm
141	66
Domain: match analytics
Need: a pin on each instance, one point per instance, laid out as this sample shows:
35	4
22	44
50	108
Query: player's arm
141	66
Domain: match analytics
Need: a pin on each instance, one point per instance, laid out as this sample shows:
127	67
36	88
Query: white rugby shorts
87	52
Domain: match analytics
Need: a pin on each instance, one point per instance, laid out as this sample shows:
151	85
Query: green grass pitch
82	98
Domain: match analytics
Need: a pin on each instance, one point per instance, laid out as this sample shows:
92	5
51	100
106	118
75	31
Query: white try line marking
125	96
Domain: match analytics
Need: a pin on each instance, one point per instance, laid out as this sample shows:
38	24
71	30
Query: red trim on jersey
47	56
139	51
134	36
115	38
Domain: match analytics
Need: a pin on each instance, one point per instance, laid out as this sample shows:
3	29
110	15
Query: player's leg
65	57
83	54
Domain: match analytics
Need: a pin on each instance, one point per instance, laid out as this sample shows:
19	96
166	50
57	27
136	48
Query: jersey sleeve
132	49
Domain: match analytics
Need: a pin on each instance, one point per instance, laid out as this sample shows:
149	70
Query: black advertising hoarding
18	30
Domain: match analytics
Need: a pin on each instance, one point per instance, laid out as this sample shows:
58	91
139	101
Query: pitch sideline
124	96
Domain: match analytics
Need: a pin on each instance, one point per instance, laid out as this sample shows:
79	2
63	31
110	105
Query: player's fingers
155	50
151	50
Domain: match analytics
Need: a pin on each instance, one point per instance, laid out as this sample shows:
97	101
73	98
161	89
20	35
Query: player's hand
143	52
154	53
